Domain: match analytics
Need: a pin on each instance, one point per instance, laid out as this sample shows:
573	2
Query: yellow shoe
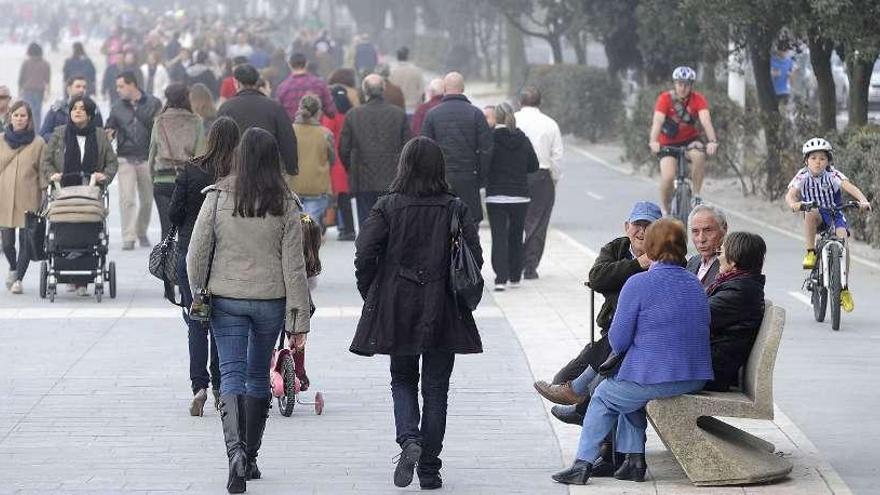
810	260
846	301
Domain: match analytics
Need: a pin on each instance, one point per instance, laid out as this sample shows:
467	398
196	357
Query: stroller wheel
287	401
99	293
44	278
51	292
111	279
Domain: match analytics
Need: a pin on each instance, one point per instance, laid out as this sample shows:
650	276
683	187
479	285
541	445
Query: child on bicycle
312	238
818	181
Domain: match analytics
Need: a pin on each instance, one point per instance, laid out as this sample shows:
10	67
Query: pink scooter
287	378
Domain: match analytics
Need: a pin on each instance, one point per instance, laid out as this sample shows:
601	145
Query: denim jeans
246	331
316	207
623	402
200	337
436	370
18	261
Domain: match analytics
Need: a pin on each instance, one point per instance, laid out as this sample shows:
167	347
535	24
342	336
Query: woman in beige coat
20	153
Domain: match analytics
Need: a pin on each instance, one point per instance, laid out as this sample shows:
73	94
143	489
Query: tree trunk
771	120
517	64
859	69
820	59
556	45
404	16
576	38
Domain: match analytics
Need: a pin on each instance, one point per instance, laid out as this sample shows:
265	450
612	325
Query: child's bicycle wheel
319	403
287	401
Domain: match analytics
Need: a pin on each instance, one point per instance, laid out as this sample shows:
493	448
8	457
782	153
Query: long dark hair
177	96
312	238
421	170
223	137
259	187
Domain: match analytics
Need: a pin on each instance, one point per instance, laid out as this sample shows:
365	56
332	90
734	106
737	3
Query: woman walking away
245	262
33	81
507	195
661	327
338	175
177	136
203	104
186	201
402	269
20	153
315	151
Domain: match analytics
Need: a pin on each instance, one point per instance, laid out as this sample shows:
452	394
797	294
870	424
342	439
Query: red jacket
419	117
338	175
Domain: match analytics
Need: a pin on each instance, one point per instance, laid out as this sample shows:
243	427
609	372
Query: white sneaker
82	291
11	278
16	287
500	287
513	285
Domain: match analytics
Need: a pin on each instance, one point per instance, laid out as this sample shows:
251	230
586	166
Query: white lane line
800	297
575	244
742	216
153	313
595	196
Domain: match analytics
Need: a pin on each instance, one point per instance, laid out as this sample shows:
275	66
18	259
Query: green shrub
584	101
857	153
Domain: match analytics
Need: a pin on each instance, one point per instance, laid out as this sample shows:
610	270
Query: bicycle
682	192
830	274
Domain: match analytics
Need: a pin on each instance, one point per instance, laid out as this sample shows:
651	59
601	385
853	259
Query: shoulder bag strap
213	241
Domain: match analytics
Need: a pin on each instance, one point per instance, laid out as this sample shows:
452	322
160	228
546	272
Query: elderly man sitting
708	226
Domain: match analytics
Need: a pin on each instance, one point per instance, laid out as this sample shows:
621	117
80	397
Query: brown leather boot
559	394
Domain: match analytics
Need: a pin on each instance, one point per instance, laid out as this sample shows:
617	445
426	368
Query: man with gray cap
617	262
370	143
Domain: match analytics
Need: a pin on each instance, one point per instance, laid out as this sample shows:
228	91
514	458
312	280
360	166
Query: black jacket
250	108
402	269
611	270
187	199
370	143
462	132
513	158
737	309
133	123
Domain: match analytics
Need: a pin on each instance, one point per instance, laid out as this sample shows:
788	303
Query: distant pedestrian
176	138
34	79
507	195
5	100
257	286
781	69
186	201
461	130
203	105
410	79
315	154
544	134
155	76
21	151
131	124
434	94
393	93
200	72
372	137
489	113
346	78
301	82
251	108
402	270
338	175
79	64
366	55
59	111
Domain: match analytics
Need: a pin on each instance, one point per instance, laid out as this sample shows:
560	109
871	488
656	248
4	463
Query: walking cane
592	312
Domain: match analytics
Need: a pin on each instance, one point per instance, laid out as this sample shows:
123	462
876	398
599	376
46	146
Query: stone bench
712	452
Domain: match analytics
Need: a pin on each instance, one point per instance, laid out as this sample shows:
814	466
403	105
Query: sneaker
500	286
128	246
16	287
82	291
144	241
406	463
513	284
809	260
846	301
11	278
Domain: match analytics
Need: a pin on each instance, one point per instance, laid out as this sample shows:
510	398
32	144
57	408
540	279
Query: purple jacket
662	323
291	91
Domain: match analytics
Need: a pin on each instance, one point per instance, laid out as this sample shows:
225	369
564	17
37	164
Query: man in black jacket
370	143
131	124
58	114
466	140
251	108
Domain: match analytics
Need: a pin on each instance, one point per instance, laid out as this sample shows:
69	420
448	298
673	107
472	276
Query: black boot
567	414
633	468
577	474
257	410
232	413
410	453
608	462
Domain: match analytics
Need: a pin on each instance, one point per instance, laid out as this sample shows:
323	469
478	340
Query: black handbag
200	309
465	279
35	229
612	364
163	264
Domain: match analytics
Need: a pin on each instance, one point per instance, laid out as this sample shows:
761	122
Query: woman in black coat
736	301
186	201
402	269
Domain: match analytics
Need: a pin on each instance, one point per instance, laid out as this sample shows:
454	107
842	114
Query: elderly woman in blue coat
662	327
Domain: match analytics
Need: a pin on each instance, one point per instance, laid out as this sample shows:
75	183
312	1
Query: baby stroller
76	238
287	378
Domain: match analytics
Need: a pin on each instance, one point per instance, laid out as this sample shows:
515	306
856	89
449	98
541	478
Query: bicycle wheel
681	202
819	296
287	402
834	256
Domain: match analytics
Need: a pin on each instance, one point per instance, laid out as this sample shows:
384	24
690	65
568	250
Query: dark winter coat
133	124
461	130
370	143
75	66
402	270
513	158
251	108
737	308
613	267
187	199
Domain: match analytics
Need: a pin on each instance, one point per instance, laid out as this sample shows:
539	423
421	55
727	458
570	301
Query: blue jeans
316	207
623	402
436	370
200	338
246	331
